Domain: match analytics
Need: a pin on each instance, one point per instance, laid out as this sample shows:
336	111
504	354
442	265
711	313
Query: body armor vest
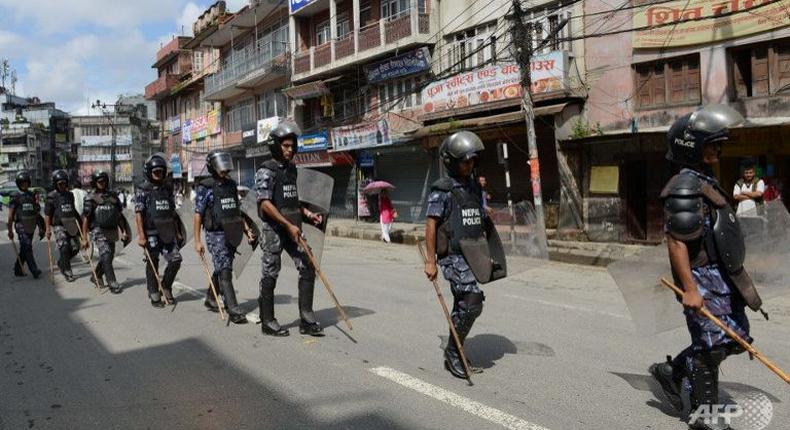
28	211
106	213
285	195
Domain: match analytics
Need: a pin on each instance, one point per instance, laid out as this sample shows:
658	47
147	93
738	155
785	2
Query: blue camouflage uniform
275	238
104	245
720	297
454	266
25	239
221	253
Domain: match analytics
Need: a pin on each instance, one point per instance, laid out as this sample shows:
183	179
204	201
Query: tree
13	82
5	68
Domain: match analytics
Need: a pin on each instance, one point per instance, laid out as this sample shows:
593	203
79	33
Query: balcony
246	70
170	50
160	87
411	27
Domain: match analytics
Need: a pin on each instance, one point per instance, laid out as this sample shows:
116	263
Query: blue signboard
175	166
416	61
298	4
365	159
313	142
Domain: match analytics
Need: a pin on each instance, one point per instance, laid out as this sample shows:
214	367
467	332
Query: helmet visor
222	162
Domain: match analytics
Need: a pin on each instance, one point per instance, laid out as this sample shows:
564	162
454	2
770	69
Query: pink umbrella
377	186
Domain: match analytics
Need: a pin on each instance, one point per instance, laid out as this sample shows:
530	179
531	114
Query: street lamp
111	120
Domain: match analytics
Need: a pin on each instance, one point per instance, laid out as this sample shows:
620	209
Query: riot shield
654	308
315	194
245	250
186	214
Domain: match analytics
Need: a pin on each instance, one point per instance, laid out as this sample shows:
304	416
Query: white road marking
468	405
567	306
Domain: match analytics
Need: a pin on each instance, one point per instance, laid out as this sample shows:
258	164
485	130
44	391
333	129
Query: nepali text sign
403	65
265	127
186	131
313	142
313	159
213	122
174	125
200	127
358	136
696	22
248	134
257	151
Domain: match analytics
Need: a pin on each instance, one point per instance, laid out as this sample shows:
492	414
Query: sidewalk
589	253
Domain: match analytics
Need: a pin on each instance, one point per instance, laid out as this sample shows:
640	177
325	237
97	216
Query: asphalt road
556	342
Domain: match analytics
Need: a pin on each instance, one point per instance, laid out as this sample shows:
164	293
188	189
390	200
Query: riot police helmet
690	133
59	176
218	161
155	161
99	175
284	130
22	177
459	146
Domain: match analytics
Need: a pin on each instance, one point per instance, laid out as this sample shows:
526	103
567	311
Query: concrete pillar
355	18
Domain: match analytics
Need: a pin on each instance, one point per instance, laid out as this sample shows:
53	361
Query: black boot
235	313
109	274
269	325
465	313
308	324
167	280
99	269
210	303
704	378
156	300
671	385
18	270
64	264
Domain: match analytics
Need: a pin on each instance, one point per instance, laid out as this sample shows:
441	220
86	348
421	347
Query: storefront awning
471	123
309	90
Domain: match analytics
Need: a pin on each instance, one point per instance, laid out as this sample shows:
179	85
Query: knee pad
710	359
473	303
267	285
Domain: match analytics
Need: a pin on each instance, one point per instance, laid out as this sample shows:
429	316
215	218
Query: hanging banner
298	4
174	125
120	140
313	159
359	136
313	142
213	122
410	63
186	134
265	126
701	21
199	128
175	166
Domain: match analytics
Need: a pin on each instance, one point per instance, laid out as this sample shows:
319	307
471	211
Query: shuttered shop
412	170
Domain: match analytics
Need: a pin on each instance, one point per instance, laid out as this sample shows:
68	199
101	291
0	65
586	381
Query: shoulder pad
52	194
444	184
684	207
683	185
145	186
271	164
207	182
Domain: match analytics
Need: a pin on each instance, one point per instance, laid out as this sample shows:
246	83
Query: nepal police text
471	216
289	191
228	203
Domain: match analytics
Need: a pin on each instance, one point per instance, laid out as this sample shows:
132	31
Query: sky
76	51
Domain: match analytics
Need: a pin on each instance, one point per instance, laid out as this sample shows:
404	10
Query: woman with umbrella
387	212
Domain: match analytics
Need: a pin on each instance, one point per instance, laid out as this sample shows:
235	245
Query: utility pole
113	143
523	54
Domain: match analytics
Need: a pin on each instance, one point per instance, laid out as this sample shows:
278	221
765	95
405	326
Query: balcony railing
158	87
269	58
380	35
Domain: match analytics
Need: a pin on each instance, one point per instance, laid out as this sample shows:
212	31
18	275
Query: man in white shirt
748	192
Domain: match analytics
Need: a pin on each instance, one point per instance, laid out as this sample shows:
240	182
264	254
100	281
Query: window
365	13
667	82
344	104
238	115
546	25
391	9
400	94
761	70
272	104
471	48
343	25
322	33
197	60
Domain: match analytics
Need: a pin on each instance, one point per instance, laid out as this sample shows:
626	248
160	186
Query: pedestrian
122	197
62	218
454	212
158	229
102	216
704	261
23	216
748	191
218	212
281	213
387	214
485	195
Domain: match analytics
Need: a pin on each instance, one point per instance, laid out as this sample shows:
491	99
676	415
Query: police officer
61	216
703	237
455	211
102	216
158	228
281	213
24	215
217	210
